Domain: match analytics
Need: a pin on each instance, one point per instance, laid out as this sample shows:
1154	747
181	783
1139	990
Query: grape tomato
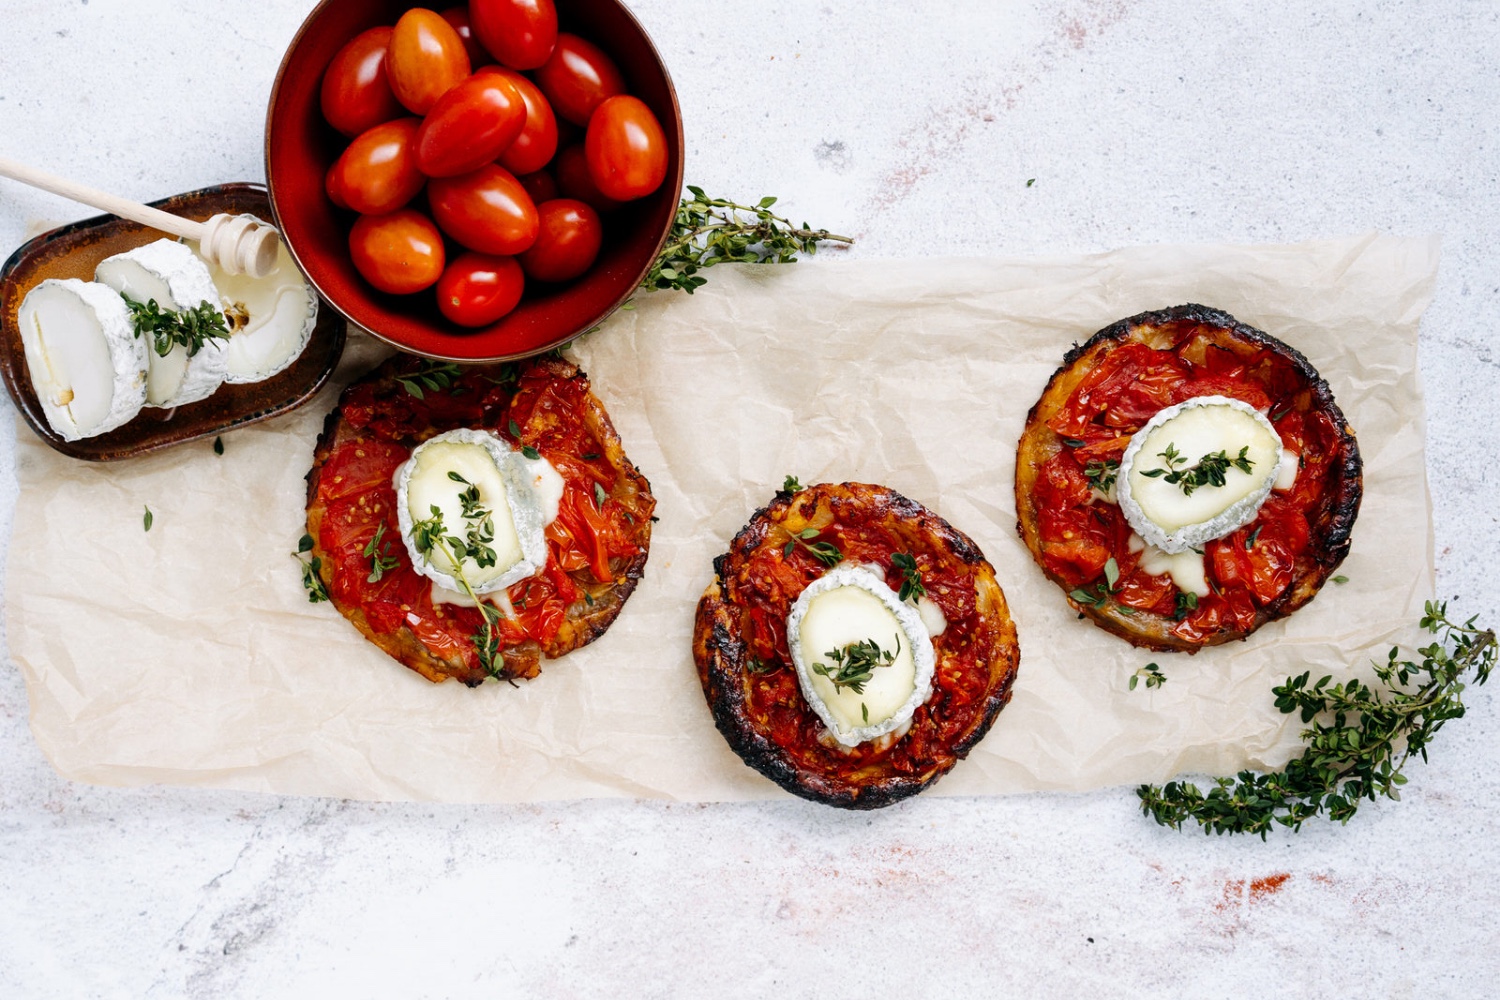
536	144
578	77
518	33
626	149
574	180
458	17
427	58
487	210
569	235
378	172
356	95
477	289
398	253
470	125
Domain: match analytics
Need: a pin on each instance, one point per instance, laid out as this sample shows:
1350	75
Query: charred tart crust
1211	345
740	648
350	492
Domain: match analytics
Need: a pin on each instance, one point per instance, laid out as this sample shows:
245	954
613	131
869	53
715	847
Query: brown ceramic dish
73	252
301	146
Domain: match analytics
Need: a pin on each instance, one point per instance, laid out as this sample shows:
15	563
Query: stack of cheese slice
92	372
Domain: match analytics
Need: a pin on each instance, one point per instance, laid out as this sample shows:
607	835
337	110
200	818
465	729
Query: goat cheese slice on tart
519	495
1197	471
850	612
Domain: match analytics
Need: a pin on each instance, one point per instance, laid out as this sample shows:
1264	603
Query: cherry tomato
399	253
577	78
574	180
458	17
567	241
477	289
470	125
533	149
378	172
518	33
540	185
427	58
486	210
626	149
356	95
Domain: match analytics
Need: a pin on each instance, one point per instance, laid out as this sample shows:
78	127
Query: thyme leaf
312	570
911	577
856	663
1102	475
430	376
1209	471
431	534
378	552
190	328
1360	738
1152	675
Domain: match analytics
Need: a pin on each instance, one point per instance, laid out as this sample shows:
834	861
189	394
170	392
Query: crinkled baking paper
189	654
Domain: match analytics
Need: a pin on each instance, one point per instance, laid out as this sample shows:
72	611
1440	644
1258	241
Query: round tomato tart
1186	478
853	645
469	521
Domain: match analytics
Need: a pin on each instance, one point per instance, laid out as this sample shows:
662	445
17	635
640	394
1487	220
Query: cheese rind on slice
87	366
846	605
508	489
177	279
275	314
1165	514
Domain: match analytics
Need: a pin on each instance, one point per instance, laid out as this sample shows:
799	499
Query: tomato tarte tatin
853	645
592	533
1216	585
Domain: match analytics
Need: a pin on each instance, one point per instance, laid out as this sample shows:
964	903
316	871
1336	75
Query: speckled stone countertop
914	128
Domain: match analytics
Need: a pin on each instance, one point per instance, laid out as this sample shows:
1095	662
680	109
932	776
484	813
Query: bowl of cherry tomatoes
477	182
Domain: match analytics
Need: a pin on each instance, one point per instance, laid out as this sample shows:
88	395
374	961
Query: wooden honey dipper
236	244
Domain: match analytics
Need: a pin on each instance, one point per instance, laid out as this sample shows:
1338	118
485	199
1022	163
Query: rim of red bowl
413	323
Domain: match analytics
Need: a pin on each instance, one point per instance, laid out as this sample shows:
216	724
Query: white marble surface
913	127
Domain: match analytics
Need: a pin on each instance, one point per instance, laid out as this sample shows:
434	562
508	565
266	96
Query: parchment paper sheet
190	655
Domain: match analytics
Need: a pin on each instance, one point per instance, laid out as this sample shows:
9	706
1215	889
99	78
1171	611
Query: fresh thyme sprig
1209	471
856	663
1102	475
791	485
1152	675
911	577
429	535
824	552
378	552
312	579
190	328
1360	738
709	231
430	376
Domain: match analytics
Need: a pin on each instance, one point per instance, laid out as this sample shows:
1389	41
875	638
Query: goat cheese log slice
177	279
86	364
821	677
271	319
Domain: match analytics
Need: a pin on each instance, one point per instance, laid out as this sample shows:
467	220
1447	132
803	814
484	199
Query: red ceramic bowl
301	146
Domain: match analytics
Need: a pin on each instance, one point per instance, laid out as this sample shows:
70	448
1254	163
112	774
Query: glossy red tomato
518	33
426	59
568	237
334	187
578	77
356	95
536	144
486	210
459	18
477	289
378	172
626	149
470	125
399	253
540	185
574	180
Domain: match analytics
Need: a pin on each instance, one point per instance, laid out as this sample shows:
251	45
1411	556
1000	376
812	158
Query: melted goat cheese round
850	605
520	495
1173	518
